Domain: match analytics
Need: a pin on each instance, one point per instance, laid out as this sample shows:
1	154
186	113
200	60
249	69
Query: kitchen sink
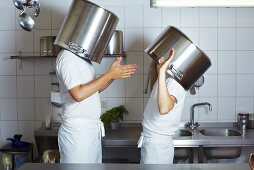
220	132
182	132
221	152
182	153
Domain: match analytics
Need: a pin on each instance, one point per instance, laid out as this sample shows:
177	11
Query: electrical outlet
103	103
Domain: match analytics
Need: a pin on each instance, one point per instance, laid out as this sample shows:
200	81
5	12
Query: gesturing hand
117	71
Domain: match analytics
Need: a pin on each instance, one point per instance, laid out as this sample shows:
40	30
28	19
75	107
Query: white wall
225	34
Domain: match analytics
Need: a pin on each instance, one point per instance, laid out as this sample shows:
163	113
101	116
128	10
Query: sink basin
220	132
221	152
182	132
183	153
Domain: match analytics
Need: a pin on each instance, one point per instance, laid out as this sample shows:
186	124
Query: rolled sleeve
175	89
70	74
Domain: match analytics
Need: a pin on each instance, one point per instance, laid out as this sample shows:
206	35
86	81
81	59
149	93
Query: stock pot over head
87	30
189	62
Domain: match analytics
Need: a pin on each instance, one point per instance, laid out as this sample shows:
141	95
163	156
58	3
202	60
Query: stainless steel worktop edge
129	134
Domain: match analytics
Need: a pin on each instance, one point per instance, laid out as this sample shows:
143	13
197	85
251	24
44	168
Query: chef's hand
117	71
163	64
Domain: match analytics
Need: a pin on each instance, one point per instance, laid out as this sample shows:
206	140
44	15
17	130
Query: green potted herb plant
113	116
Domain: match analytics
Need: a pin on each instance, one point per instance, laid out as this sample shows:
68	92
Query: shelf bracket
20	61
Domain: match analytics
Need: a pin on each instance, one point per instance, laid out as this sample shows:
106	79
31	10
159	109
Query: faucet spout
191	124
210	108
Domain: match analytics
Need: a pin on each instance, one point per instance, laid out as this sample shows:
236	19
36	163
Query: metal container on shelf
87	30
115	46
189	62
243	120
251	121
47	46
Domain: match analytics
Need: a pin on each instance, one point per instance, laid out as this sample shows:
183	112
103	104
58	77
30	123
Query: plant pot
115	126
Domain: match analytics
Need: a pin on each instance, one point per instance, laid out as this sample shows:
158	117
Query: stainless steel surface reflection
79	166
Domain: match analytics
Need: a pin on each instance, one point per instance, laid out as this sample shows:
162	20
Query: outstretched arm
116	71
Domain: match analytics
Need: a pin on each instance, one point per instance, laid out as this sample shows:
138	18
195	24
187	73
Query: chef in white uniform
161	116
79	136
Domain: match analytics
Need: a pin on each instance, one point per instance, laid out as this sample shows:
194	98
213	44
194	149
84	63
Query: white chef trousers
79	140
156	148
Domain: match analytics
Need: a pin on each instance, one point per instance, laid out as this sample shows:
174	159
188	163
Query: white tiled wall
225	34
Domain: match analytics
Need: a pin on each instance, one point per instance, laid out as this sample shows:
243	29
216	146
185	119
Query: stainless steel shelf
31	57
124	54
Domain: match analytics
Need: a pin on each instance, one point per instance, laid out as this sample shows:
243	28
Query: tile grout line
235	53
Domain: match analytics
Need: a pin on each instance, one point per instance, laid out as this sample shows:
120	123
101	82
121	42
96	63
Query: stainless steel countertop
43	166
129	134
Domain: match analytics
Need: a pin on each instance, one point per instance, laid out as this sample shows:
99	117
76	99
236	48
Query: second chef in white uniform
162	116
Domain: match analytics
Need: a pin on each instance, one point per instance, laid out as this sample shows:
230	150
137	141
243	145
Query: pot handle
77	49
176	73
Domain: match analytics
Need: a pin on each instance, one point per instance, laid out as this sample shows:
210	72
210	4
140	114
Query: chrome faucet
191	124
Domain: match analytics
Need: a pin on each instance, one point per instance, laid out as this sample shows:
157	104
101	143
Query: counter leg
12	161
32	154
200	154
195	155
191	158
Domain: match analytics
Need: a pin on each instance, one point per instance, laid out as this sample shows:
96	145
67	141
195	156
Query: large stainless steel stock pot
189	63
87	30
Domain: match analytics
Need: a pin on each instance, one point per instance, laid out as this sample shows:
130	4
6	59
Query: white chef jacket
71	71
79	137
156	141
164	124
